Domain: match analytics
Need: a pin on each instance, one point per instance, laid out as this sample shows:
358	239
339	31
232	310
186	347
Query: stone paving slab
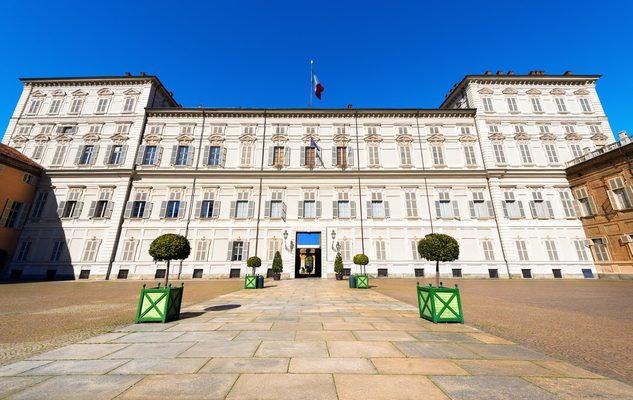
301	339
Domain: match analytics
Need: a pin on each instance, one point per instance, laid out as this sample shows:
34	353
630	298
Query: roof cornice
311	112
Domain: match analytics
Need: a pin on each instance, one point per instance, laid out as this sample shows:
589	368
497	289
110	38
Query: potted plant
163	304
278	266
338	267
253	281
439	304
362	279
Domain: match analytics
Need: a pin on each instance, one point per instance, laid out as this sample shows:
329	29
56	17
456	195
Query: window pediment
557	92
522	136
248	138
20	139
63	138
404	138
510	91
485	91
58	93
373	138
184	138
496	136
341	139
534	92
599	137
216	140
105	92
581	92
119	138
41	138
547	137
91	138
279	138
79	92
306	138
467	138
153	139
131	92
573	136
436	138
38	93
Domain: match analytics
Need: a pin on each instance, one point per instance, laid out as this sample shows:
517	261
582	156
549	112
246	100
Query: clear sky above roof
367	53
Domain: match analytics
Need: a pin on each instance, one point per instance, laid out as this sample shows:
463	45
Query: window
237	251
415	255
584	104
39	204
102	208
90	251
500	153
308	156
197	273
383	272
309	205
345	249
568	204
242	208
457	272
540	209
207	209
557	273
129	250
526	273
594	128
27	178
234	273
75	106
522	250
536	105
38	151
149	155
526	154
214	156
479	208
376	207
487	101
411	203
552	253
512	104
620	196
12	213
139	208
374	155
202	250
405	155
128	104
173	209
587	207
340	158
122	274
560	104
102	105
419	272
277	206
581	253
71	208
56	105
58	157
342	207
551	153
160	273
34	107
274	245
182	155
278	155
23	251
437	151
87	154
600	249
576	151
380	249
445	208
493	273
57	251
116	155
512	208
469	155
489	254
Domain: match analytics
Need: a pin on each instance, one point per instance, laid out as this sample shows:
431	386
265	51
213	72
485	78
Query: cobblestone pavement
301	339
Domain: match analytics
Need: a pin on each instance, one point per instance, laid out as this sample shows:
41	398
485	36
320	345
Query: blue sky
367	53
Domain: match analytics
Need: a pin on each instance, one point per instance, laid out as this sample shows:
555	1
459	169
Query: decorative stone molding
496	137
79	93
183	139
341	139
547	137
153	140
557	92
131	92
63	138
485	91
467	138
119	138
279	138
38	93
41	138
58	93
105	92
510	90
581	92
91	138
20	140
522	136
404	138
306	138
436	138
216	140
573	136
534	92
373	138
248	138
599	137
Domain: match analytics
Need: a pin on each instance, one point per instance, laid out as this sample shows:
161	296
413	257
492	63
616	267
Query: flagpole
311	81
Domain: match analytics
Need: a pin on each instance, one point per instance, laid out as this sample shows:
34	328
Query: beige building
602	183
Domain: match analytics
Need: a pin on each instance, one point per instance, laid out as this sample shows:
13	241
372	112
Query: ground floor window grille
382	272
419	272
84	274
557	273
493	273
526	273
160	274
269	273
587	273
457	272
197	273
347	271
122	274
235	273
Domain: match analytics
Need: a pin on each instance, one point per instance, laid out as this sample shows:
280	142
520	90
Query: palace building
125	163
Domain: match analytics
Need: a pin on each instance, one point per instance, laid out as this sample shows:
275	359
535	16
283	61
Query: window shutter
205	156
471	207
520	203
80	151
533	209
438	212
182	209
174	153
318	209
216	209
251	209
369	210
352	207
230	252
302	156
95	155
614	203
109	208
505	208
283	211
191	155
199	208
91	211
491	211
387	213
5	214
60	208
287	156
233	210
612	184
78	208
246	246
350	156
147	211
21	218
455	209
335	209
159	155
334	156
271	155
163	209
123	154
592	205
300	209
140	155
550	210
414	250
223	159
267	209
108	154
128	209
629	194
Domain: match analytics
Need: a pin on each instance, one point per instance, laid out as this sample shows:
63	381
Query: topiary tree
362	260
254	262
278	265
438	247
169	247
338	264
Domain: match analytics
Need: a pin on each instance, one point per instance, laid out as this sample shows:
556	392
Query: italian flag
318	88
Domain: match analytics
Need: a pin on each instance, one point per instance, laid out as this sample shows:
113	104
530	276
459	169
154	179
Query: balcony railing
604	149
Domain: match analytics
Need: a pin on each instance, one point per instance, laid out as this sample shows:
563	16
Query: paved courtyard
300	339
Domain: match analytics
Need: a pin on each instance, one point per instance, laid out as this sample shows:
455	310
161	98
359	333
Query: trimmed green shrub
362	260
254	262
338	264
169	247
438	247
278	265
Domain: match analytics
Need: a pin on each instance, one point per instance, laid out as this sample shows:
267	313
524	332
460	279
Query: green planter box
250	282
362	281
440	304
159	304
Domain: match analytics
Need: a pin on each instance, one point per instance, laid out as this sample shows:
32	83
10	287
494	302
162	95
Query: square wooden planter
254	282
440	304
362	281
159	304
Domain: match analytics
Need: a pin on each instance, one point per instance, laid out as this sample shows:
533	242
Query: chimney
488	73
510	72
499	72
568	73
349	106
622	135
143	74
128	74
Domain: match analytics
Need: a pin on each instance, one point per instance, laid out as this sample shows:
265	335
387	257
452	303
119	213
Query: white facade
486	168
